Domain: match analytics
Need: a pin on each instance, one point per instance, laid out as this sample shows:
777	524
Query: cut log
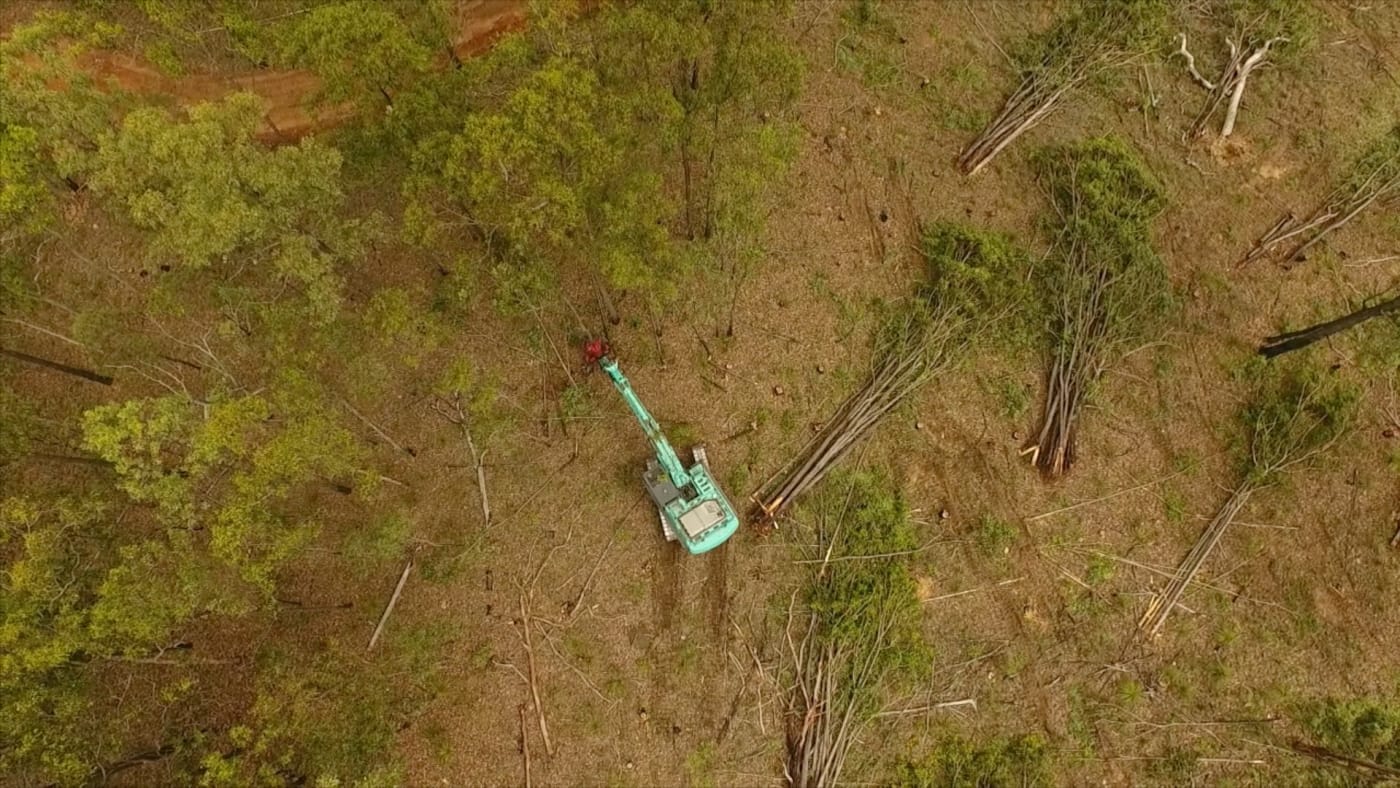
1296	340
77	372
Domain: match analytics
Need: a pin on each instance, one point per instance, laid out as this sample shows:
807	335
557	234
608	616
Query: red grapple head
594	350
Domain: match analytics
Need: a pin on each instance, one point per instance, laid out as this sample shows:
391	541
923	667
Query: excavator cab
700	518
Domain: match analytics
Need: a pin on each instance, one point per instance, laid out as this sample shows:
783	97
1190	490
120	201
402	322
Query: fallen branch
1010	582
480	461
1292	417
543	626
1103	498
526	624
577	604
1369	769
916	345
45	331
1106	286
733	707
459	417
102	775
1079	48
838	559
1191	63
976	278
1023	111
858	616
375	427
1238	761
1164	603
950	704
389	608
764	677
525	746
528	641
544	484
1233	595
749	429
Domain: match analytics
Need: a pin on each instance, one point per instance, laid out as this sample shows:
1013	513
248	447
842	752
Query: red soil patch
292	110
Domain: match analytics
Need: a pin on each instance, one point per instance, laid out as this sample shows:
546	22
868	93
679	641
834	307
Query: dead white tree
1228	89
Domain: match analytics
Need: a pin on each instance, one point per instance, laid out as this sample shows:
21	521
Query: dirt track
291	95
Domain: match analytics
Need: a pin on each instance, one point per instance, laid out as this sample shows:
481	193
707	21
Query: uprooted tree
858	638
1294	415
1105	287
1094	38
1373	178
976	281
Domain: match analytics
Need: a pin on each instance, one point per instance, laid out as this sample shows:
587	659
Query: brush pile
1096	37
1106	287
1373	179
976	279
1294	415
860	633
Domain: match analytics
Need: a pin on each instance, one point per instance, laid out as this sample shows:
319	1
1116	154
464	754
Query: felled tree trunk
1296	340
77	372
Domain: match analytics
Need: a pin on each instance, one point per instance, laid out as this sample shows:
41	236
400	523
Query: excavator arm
662	447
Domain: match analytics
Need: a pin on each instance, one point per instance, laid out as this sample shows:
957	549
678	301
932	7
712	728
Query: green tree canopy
211	195
359	48
546	179
217	469
36	60
90	579
24	196
621	139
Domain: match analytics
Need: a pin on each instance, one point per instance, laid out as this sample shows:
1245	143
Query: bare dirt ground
655	667
653	687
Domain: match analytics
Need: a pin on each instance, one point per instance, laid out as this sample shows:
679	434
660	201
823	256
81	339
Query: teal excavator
694	511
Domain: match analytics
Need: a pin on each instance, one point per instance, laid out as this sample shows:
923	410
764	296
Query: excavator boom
664	453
